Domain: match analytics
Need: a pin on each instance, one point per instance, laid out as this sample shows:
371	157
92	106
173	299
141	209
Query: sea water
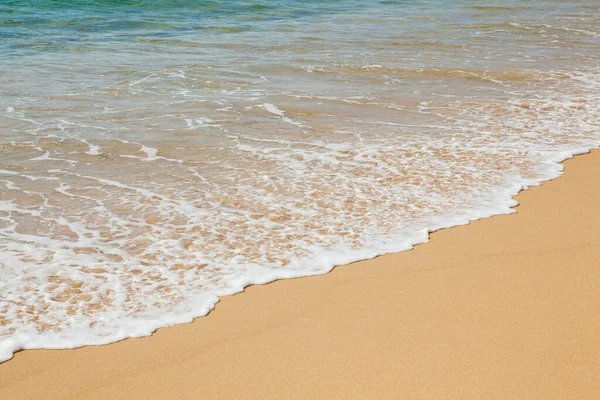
156	155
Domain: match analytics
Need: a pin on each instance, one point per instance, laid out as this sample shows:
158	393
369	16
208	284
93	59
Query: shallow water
155	155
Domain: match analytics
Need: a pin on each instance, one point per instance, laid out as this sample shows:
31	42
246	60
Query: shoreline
392	322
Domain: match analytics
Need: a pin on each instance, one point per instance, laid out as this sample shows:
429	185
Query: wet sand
505	307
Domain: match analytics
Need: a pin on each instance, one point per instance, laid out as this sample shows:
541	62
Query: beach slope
504	308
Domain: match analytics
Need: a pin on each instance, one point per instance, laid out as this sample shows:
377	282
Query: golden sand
506	308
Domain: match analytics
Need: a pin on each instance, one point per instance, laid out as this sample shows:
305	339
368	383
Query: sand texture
505	308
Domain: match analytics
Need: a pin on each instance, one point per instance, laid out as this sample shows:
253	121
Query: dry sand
506	308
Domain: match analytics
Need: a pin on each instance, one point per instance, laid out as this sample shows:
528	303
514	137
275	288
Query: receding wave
145	177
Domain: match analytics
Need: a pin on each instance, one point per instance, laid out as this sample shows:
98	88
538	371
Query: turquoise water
156	155
60	25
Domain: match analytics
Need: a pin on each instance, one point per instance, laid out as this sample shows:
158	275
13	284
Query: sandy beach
505	308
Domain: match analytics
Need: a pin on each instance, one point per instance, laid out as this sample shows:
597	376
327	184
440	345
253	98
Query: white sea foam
274	110
93	149
45	156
